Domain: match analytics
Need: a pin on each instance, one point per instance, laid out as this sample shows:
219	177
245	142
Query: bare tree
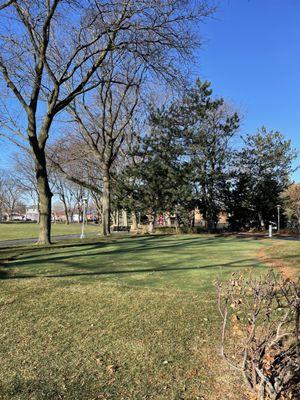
61	190
77	193
101	126
10	194
25	176
5	4
69	194
51	53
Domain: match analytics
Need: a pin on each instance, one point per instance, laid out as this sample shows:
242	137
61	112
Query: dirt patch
286	270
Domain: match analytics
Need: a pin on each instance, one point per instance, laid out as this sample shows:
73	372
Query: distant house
58	215
222	222
32	213
76	218
15	216
91	216
18	217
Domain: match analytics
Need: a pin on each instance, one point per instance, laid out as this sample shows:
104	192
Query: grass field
12	231
131	318
285	256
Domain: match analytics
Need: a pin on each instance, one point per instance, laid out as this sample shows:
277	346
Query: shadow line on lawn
250	262
139	244
143	240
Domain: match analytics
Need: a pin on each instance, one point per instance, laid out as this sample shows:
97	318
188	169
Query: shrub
260	333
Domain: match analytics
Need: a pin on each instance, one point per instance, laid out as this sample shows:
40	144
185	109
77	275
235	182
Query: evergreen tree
262	168
209	128
184	162
157	181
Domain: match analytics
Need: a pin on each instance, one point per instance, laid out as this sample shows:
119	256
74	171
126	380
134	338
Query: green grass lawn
19	230
121	318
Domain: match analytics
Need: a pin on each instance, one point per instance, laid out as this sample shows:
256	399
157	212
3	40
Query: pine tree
263	167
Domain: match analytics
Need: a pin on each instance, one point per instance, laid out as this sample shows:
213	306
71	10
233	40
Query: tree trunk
66	210
210	220
114	218
117	219
176	223
38	209
210	225
80	213
43	188
193	216
99	211
261	221
134	224
106	204
45	196
124	217
151	219
168	218
151	227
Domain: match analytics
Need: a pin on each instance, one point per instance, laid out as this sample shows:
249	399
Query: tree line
83	97
57	56
191	159
186	155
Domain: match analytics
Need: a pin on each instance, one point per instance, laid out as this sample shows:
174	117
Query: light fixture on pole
278	218
84	201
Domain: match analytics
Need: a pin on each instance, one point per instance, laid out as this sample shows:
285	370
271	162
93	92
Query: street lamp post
278	218
84	200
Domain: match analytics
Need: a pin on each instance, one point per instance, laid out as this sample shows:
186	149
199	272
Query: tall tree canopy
183	162
207	129
52	52
262	171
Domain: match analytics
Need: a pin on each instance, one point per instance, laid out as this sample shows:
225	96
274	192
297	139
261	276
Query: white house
32	213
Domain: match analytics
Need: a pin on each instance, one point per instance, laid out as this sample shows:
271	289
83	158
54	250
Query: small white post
82	236
270	230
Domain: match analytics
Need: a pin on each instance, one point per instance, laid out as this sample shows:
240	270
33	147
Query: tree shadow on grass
4	274
37	258
142	241
30	256
47	388
245	263
101	242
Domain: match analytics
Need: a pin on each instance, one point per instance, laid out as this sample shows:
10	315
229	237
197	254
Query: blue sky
251	55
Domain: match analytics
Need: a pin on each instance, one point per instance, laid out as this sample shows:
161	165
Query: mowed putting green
131	318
